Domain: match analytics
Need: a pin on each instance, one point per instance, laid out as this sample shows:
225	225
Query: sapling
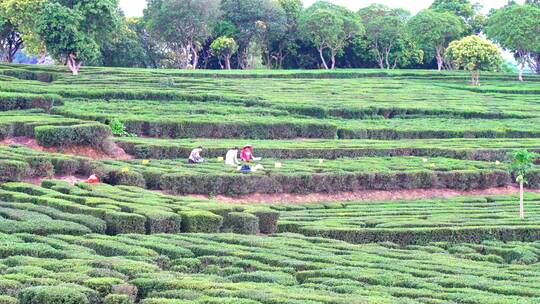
522	163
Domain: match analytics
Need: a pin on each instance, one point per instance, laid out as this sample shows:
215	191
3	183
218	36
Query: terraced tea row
151	103
467	219
206	268
216	120
52	130
59	207
469	148
275	176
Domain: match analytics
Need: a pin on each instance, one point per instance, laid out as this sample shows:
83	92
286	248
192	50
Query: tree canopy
516	28
329	27
475	54
71	30
280	34
183	26
433	31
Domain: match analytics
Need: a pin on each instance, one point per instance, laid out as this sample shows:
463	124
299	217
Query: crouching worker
247	154
231	159
195	156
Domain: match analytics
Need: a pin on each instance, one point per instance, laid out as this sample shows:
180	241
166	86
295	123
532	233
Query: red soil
370	195
116	153
70	179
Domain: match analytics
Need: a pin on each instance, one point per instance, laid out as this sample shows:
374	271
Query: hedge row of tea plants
467	219
277	176
470	149
114	210
52	130
22	101
288	268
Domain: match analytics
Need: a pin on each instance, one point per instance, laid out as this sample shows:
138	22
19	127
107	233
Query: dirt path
115	152
369	195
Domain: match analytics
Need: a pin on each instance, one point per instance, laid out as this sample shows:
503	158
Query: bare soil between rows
114	151
368	195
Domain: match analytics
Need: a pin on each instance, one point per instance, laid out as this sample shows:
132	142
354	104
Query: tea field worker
231	159
195	156
93	179
247	154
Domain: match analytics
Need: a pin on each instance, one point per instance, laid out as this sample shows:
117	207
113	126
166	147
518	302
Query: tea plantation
157	230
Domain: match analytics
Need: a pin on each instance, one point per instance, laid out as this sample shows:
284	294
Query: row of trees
252	33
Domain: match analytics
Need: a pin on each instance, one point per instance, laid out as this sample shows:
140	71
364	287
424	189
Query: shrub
102	285
267	220
162	222
120	223
40	166
12	171
118	299
241	222
22	101
63	294
201	221
129	178
84	134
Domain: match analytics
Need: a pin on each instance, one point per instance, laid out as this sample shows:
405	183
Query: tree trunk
440	60
228	62
520	75
521	204
322	58
475	78
195	53
333	60
72	64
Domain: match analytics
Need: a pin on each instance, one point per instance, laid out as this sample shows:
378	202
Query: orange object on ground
93	179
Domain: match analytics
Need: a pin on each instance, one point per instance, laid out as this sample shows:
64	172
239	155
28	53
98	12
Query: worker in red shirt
247	154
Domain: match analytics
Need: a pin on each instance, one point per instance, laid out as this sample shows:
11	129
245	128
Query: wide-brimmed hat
246	146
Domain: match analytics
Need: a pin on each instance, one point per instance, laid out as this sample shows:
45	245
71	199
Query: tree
386	33
434	31
522	163
152	51
247	16
474	21
271	32
288	42
475	54
516	28
71	29
329	27
224	48
183	25
123	49
10	39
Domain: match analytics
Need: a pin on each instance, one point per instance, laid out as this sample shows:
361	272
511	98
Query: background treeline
243	34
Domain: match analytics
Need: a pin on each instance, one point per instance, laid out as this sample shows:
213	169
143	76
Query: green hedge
22	101
84	134
120	223
240	222
268	219
394	134
13	171
201	221
330	183
420	236
62	294
156	151
198	129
